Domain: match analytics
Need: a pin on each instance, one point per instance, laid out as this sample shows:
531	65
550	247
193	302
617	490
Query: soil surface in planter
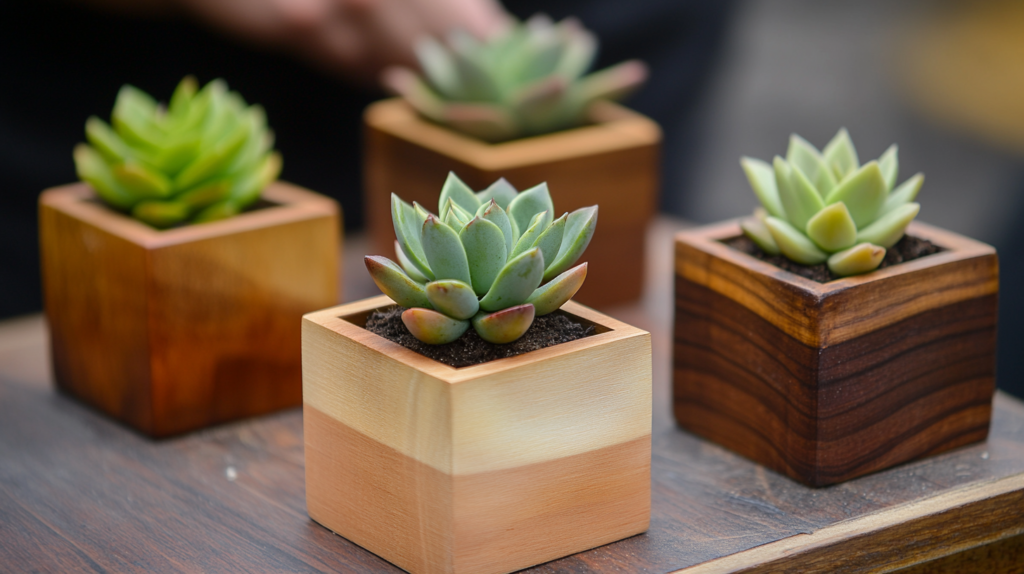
907	249
470	349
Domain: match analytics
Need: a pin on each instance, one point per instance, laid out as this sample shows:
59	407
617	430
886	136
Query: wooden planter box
613	163
825	382
484	469
171	331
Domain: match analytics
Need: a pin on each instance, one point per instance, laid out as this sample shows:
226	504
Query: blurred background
943	79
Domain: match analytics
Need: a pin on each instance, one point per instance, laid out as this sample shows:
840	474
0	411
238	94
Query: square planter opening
171	331
489	468
825	382
614	163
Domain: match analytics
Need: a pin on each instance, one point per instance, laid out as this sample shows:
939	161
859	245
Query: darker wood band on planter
823	415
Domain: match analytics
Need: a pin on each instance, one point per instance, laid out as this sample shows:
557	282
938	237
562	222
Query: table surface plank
79	492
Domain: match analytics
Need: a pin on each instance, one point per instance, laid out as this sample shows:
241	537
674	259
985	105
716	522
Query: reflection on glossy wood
613	163
826	382
170	331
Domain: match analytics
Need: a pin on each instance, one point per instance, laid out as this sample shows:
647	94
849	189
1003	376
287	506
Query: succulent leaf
528	239
550	240
206	194
889	228
809	160
905	193
890	165
444	251
504	326
553	294
458	192
408	266
217	211
579	229
515	282
793	243
762	180
453	298
493	212
456	217
141	181
613	83
864	191
832	228
860	258
93	170
841	155
527	204
800	201
408	230
756	229
438	66
160	214
106	141
501	192
393	282
433	328
485	248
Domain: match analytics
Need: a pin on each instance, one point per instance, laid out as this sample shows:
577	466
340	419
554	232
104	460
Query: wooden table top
79	492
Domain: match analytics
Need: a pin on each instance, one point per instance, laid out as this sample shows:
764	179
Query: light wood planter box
825	382
171	331
484	469
612	163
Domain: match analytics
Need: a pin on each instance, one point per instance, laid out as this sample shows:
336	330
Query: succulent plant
824	206
526	81
482	261
205	156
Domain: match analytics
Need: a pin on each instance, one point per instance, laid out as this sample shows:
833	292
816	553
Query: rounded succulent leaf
579	229
432	327
444	251
756	229
858	259
762	180
793	243
516	281
889	228
394	283
553	294
527	204
217	211
864	191
160	214
485	252
504	326
453	298
832	228
93	170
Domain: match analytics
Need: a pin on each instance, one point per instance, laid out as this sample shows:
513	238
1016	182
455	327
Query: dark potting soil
907	249
470	349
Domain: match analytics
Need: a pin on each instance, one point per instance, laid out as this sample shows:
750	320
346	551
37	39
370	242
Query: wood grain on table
80	493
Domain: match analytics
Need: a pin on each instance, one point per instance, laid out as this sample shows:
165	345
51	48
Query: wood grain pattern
761	369
489	468
170	331
613	163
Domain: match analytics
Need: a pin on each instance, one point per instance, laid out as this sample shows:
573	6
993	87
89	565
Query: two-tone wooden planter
825	382
171	331
486	469
612	163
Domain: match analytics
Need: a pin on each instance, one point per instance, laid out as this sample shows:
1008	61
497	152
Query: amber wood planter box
612	163
484	469
171	331
825	382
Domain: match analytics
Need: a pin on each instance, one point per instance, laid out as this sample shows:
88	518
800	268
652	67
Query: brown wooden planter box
171	331
485	469
613	163
825	382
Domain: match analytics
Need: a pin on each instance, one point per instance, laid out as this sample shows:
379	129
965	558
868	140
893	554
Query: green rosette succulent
207	155
528	80
825	207
492	260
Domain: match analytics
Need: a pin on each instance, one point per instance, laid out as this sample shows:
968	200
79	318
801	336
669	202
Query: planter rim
615	127
333	318
294	204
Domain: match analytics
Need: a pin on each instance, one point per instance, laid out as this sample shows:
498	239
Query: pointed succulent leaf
393	282
579	229
106	141
493	212
860	258
444	251
433	328
438	66
456	217
160	214
612	83
485	251
800	201
93	170
501	191
864	191
475	82
541	105
805	157
421	212
408	266
550	240
889	163
416	92
580	49
793	243
515	282
408	230
833	228
538	225
905	193
504	326
452	220
841	155
762	180
453	298
527	204
889	228
553	294
756	229
460	193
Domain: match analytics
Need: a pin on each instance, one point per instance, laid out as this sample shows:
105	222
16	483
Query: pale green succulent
206	156
482	261
528	80
825	207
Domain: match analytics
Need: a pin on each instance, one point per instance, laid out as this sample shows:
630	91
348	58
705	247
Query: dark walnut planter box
612	163
483	469
175	330
824	382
